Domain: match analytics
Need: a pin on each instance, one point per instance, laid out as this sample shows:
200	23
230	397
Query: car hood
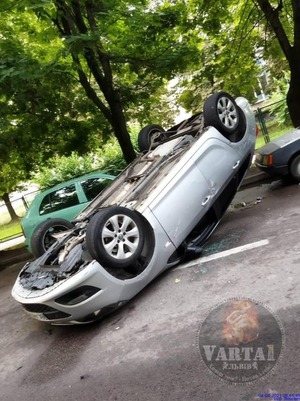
280	142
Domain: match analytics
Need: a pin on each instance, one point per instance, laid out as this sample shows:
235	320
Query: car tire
42	239
115	237
295	168
221	111
150	136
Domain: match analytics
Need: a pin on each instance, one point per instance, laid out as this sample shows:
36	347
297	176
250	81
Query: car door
219	163
183	201
61	203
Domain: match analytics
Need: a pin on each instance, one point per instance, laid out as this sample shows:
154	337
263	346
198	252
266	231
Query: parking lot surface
148	350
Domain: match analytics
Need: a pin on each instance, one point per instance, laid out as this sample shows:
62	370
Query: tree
234	32
43	108
76	22
120	53
11	176
120	50
283	18
52	54
226	40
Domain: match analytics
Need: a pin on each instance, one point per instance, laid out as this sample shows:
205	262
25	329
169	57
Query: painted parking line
224	254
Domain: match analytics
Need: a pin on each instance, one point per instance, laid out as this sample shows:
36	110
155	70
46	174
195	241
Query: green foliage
127	51
232	35
227	42
108	158
64	168
43	110
279	107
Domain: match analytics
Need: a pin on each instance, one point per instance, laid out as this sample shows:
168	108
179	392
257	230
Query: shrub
62	168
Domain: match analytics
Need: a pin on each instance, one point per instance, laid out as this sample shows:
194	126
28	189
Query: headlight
259	157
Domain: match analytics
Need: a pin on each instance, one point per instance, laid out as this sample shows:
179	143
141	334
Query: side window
93	186
58	200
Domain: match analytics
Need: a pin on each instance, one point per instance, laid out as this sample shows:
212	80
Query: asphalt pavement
149	349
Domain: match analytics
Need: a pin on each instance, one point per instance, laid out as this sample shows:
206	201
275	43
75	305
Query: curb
12	256
254	176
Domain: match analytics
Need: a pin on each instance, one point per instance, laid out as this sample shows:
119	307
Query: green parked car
52	210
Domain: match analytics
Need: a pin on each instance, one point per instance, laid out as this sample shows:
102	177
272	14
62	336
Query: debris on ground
239	205
258	200
246	205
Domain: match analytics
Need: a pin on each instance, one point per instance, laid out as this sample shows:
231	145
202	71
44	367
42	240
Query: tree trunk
120	130
293	96
114	114
10	209
79	18
291	52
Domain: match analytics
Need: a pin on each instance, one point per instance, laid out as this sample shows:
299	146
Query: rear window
93	186
58	200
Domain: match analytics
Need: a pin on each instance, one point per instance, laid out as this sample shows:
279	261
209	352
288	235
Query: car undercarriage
159	211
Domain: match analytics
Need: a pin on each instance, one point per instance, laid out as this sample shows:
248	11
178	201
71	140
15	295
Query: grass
274	132
10	230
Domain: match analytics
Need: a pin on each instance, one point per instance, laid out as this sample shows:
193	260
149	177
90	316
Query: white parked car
160	209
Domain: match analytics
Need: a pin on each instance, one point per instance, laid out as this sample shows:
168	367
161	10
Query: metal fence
264	116
20	203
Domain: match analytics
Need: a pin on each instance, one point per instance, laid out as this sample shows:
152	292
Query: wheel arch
149	244
293	169
140	257
38	236
293	157
144	136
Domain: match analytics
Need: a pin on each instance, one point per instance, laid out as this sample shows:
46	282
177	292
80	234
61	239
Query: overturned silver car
160	209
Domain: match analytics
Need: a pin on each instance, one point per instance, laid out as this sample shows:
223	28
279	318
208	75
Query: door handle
204	202
236	164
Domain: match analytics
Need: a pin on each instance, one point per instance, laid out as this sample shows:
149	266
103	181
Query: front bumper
92	291
57	304
273	170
